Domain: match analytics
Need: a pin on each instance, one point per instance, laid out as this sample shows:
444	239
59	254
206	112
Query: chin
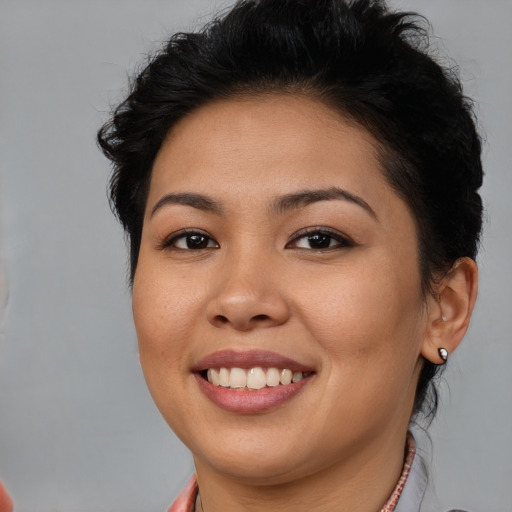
261	458
258	468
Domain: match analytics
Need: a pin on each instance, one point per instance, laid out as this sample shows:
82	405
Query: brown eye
317	239
192	241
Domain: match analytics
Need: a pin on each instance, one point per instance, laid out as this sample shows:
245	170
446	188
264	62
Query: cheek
164	318
370	330
372	317
163	332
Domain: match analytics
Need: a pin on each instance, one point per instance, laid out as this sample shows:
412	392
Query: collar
411	486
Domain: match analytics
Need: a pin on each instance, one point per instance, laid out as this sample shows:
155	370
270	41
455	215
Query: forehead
265	145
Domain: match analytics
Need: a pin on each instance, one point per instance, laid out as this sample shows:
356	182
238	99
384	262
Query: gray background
78	430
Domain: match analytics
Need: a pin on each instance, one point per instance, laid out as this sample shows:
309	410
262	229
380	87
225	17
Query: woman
298	182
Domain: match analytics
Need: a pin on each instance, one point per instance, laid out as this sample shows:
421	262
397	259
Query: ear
450	311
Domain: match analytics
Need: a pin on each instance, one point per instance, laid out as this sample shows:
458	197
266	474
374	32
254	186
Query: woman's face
272	242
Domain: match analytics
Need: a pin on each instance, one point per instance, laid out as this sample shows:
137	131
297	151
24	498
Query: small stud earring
443	354
443	318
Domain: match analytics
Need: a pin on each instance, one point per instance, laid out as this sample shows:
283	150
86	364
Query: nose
248	295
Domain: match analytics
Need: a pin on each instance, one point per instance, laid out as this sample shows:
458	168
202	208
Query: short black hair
362	59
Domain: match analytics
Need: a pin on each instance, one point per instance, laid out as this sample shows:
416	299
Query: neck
362	482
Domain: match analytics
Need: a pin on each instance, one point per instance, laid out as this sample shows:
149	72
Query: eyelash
170	242
342	241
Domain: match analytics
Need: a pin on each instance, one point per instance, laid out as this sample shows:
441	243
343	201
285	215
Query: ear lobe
449	316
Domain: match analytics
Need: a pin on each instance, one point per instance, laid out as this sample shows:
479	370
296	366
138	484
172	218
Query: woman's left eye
320	239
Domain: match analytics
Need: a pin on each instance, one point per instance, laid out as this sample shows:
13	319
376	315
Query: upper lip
249	359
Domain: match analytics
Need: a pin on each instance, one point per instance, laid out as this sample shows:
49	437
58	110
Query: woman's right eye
191	241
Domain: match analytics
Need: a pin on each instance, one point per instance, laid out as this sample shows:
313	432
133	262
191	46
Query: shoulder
413	493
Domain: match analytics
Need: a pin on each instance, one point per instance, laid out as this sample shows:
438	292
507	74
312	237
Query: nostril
242	324
222	319
260	318
247	312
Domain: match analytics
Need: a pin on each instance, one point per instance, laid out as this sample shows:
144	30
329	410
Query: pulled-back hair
361	59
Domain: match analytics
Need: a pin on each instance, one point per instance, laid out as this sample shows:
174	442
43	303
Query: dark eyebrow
306	197
198	201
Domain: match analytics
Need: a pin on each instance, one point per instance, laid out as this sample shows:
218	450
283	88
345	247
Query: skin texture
353	311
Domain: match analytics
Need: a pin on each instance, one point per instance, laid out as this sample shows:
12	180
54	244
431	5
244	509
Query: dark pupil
319	241
197	241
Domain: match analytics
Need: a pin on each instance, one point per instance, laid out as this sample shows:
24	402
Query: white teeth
272	377
213	376
254	378
237	378
285	377
297	376
224	377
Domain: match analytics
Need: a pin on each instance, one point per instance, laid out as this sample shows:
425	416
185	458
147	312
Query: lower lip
253	401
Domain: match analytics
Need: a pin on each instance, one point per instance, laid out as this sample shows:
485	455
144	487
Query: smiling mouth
241	379
251	381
